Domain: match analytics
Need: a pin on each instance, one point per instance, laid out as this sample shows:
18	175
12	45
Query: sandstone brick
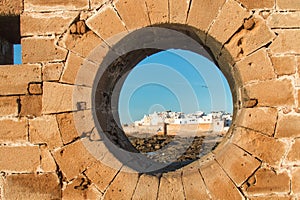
253	36
87	73
119	190
32	186
13	130
44	130
52	71
178	11
250	4
31	106
11	7
71	69
274	197
35	88
284	65
284	20
19	159
20	76
296	180
46	23
67	127
266	95
133	20
294	154
288	41
288	4
238	164
101	175
288	126
267	182
72	165
36	50
256	67
171	187
147	188
41	5
193	184
106	23
9	106
62	98
259	119
259	145
47	161
218	183
229	20
158	11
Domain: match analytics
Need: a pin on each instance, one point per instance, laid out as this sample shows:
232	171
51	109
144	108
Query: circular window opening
159	101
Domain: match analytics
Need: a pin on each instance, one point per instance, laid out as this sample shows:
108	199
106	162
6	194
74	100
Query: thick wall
42	145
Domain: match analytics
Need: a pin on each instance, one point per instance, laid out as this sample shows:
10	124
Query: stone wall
42	143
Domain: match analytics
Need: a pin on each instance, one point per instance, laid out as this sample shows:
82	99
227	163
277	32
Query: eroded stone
288	126
158	11
147	188
9	106
171	187
284	65
31	106
13	130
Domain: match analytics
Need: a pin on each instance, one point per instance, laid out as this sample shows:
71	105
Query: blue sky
176	80
17	54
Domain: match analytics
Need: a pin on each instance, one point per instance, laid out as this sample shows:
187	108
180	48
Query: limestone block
284	65
20	76
250	4
24	159
9	106
13	130
67	127
238	164
294	154
35	88
296	181
146	188
36	50
41	5
288	126
158	11
31	106
272	197
259	119
46	23
218	183
288	4
119	190
284	20
11	7
52	71
288	41
32	186
266	95
171	187
178	11
44	130
256	67
133	20
73	64
47	161
266	182
259	145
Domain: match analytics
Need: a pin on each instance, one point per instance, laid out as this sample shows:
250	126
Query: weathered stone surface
284	65
31	106
97	3
46	23
260	145
254	35
266	95
20	76
36	50
288	41
44	130
171	187
256	67
178	11
35	88
119	190
106	23
194	187
32	186
41	5
259	119
20	159
288	126
274	197
70	164
296	181
288	4
238	164
101	175
47	161
158	11
218	183
266	182
284	20
147	188
294	154
250	4
67	127
13	130
52	71
73	64
9	106
11	7
133	20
